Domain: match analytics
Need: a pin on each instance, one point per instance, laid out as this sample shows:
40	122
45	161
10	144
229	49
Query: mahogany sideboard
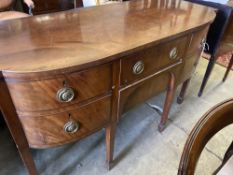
66	75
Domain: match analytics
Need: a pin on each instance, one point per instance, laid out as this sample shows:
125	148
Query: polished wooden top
94	35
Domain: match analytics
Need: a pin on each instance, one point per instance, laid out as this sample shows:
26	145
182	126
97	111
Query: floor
140	148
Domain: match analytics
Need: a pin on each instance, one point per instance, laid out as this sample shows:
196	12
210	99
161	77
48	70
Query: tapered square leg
167	103
226	157
110	138
16	130
228	69
111	128
180	98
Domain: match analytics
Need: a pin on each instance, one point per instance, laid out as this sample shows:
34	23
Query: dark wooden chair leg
2	123
227	156
207	75
167	103
110	138
180	98
16	130
78	3
228	69
228	153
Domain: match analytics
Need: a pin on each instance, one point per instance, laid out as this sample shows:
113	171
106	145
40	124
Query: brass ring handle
30	10
71	127
138	68
65	94
173	53
204	45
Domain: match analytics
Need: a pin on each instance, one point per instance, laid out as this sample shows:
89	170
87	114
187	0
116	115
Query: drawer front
144	63
52	94
193	54
141	92
53	130
196	41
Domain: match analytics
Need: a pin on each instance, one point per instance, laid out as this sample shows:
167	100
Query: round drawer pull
173	53
65	94
71	127
138	68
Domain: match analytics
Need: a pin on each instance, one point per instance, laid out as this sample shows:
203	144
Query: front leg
168	101
110	137
15	127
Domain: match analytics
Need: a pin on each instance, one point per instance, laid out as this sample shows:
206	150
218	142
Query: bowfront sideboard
67	75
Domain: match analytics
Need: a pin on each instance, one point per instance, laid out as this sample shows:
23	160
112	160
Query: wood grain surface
153	58
40	95
48	131
93	51
94	35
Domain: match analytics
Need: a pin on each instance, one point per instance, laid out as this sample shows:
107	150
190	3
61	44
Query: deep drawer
61	91
52	130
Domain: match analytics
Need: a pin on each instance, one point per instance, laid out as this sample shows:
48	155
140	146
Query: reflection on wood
103	60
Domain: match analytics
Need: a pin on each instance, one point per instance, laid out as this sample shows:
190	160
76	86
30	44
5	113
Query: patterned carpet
222	60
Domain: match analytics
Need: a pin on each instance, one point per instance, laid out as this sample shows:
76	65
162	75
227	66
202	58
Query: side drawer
52	130
196	41
62	90
193	53
144	63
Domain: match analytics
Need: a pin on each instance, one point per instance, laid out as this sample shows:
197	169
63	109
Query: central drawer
148	61
135	95
53	130
61	91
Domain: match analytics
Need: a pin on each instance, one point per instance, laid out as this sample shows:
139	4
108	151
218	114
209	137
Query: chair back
226	43
5	4
213	121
